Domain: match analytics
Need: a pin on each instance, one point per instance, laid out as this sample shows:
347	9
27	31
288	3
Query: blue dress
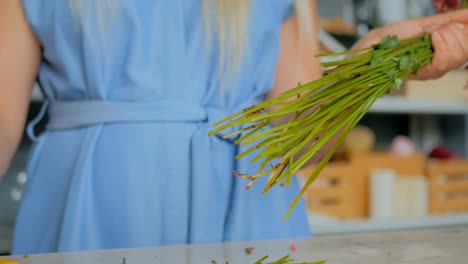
126	160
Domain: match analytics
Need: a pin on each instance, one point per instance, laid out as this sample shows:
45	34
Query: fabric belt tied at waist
75	114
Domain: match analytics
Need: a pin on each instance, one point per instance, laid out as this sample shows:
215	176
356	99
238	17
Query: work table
425	246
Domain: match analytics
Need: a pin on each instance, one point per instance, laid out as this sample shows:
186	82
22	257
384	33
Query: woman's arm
19	61
449	36
298	64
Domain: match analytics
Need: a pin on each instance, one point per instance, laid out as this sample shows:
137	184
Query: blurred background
404	166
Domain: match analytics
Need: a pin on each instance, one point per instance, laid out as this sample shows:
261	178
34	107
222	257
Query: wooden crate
407	166
448	186
413	165
454	84
337	191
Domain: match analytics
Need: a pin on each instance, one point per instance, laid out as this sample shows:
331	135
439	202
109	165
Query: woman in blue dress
132	89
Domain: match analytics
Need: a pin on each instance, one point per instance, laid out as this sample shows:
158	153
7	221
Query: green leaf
398	83
413	62
376	60
387	43
405	63
391	74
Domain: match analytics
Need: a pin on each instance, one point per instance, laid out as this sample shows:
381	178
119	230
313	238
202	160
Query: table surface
428	246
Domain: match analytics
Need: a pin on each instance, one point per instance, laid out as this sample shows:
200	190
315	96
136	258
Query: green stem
363	109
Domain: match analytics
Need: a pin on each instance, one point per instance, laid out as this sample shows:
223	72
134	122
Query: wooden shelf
403	105
322	225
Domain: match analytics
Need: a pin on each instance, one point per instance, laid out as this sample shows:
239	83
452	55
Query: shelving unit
430	122
426	118
328	226
403	105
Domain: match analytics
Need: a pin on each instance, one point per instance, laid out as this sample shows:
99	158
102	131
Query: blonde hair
229	20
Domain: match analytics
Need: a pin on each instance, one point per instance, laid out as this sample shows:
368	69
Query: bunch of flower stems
321	110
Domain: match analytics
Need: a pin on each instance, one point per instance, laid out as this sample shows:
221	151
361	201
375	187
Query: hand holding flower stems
419	48
449	37
353	85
